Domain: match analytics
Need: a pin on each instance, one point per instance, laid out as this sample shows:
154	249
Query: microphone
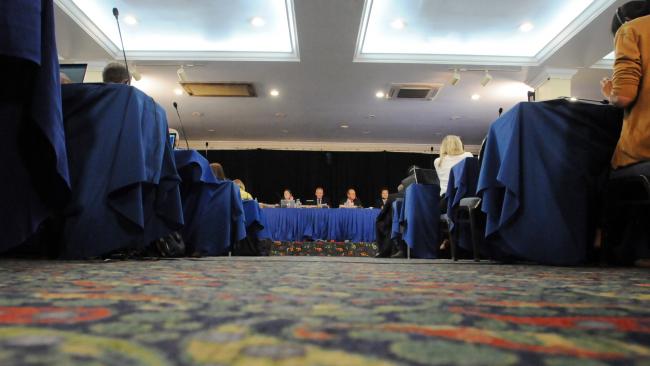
500	111
181	123
116	14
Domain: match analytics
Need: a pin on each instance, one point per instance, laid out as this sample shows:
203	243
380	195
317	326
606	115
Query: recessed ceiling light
476	97
258	22
366	132
197	114
345	126
398	24
130	20
380	94
285	131
211	130
526	27
178	91
274	93
280	115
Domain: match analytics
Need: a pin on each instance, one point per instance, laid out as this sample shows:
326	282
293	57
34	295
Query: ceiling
316	62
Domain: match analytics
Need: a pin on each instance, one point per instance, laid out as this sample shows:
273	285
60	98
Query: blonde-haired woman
451	153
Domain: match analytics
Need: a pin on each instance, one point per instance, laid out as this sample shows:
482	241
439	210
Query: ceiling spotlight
211	130
380	94
258	22
476	97
274	93
178	91
345	126
398	24
486	79
130	20
526	27
455	78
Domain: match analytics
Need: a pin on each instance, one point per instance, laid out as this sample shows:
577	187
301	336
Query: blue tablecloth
27	35
125	188
212	209
463	180
539	178
256	220
421	219
297	224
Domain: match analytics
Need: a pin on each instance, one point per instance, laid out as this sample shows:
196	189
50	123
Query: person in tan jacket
629	87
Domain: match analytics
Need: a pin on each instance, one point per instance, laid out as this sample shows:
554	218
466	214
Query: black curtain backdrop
266	173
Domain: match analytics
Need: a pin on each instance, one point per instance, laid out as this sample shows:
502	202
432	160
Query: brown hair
217	170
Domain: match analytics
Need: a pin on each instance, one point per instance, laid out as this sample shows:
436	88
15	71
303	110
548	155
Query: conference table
416	220
35	179
463	180
213	211
540	176
125	187
338	224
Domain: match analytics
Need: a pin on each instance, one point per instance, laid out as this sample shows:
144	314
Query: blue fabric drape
286	224
539	178
212	208
463	180
256	220
125	189
421	219
398	219
27	35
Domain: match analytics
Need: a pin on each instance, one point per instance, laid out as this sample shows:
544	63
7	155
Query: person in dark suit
386	246
320	199
351	201
381	202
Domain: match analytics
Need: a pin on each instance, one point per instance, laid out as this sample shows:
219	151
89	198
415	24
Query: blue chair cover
256	220
290	224
463	180
125	189
212	208
539	178
27	34
422	219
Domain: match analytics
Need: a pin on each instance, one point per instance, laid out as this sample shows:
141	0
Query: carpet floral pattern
320	311
323	248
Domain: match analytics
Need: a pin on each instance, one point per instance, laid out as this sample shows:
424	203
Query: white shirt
444	169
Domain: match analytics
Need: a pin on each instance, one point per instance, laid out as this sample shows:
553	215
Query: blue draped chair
35	180
125	188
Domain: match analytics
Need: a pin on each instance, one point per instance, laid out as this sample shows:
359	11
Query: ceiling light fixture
178	91
380	94
486	79
130	20
398	24
526	27
345	126
476	97
274	93
455	79
258	22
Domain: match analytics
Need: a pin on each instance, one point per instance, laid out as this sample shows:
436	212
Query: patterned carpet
320	311
323	248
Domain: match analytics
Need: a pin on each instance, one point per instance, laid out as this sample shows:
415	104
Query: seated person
242	190
629	88
287	195
320	199
116	73
451	153
218	172
381	202
351	201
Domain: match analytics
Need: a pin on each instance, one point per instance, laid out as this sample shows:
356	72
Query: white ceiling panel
471	31
197	29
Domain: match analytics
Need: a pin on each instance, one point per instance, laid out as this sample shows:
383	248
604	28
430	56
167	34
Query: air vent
219	89
419	91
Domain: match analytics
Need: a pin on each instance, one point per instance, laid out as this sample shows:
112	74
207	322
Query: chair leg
473	230
452	243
